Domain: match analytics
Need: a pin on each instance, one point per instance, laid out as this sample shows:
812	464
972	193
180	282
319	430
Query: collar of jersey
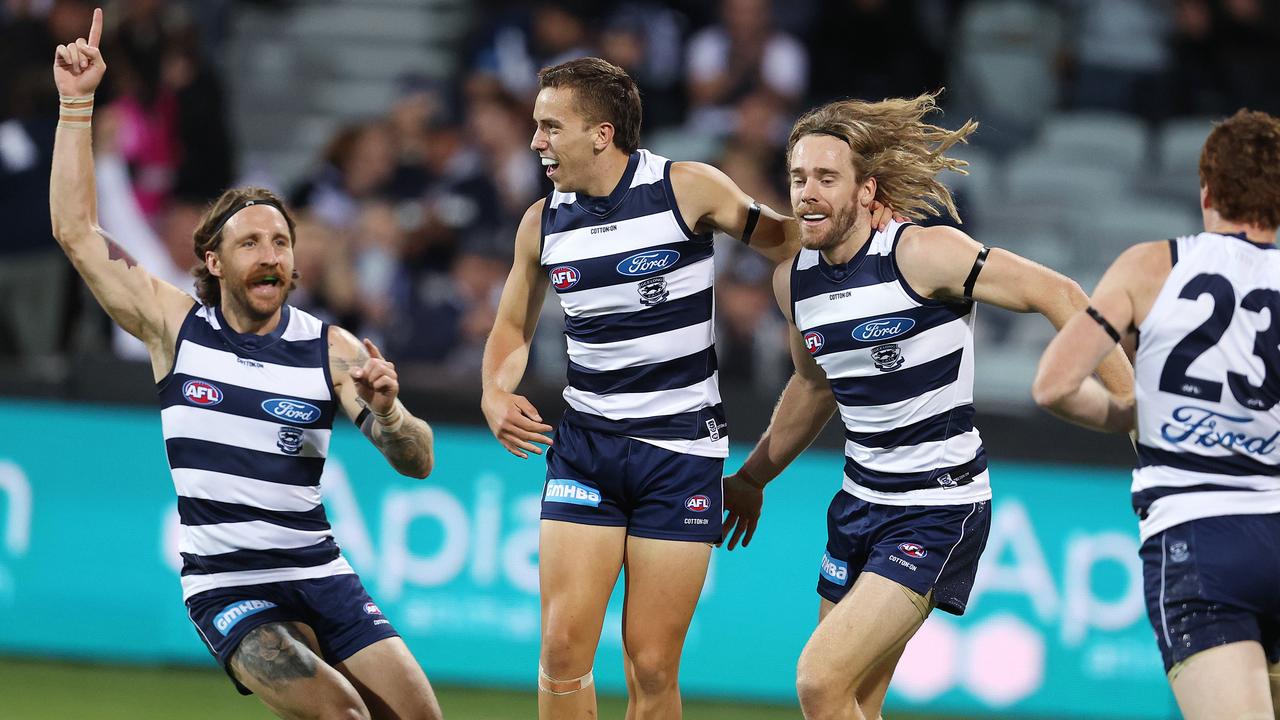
1242	236
840	272
250	342
601	206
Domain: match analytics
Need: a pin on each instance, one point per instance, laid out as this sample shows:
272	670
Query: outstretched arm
937	262
711	200
804	408
146	307
1063	384
368	389
512	418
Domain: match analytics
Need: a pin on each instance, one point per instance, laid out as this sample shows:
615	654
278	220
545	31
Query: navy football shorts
922	547
337	608
1214	581
596	478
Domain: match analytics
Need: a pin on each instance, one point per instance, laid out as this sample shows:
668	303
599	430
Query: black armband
753	217
970	281
364	415
1097	316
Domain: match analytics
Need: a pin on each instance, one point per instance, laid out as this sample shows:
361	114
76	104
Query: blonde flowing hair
892	143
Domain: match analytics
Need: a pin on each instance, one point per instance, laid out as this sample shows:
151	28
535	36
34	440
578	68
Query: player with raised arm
882	330
634	476
249	388
1204	314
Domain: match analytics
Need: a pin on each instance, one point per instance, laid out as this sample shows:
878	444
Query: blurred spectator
873	49
1121	57
1221	47
646	40
358	165
502	131
547	32
751	335
35	280
326	287
737	56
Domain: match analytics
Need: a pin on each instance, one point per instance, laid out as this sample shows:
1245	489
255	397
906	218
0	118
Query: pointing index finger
95	32
372	349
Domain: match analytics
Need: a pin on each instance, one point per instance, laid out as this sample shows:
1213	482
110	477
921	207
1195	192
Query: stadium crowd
407	217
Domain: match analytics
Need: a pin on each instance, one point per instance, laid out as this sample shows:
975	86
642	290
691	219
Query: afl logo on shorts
913	550
813	341
371	609
565	277
698	503
199	392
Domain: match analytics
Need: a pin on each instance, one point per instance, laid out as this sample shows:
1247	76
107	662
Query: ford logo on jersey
565	277
295	411
200	392
650	261
882	329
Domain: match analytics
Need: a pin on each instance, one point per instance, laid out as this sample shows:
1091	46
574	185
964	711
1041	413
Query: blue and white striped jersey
636	285
246	422
901	369
1208	379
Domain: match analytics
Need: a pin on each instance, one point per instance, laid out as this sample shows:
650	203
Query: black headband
231	211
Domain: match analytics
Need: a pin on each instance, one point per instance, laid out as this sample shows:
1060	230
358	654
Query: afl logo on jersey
882	329
565	277
813	341
913	550
291	410
371	609
698	503
199	392
648	262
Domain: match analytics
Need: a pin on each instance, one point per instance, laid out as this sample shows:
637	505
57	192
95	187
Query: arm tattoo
344	364
274	654
115	252
408	449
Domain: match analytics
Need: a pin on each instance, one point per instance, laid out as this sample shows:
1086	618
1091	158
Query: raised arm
368	390
804	408
512	418
938	261
146	307
1063	384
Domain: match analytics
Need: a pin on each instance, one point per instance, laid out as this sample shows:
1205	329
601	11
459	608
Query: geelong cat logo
648	262
294	411
882	329
200	392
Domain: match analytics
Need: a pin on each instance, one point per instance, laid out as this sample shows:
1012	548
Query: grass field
48	690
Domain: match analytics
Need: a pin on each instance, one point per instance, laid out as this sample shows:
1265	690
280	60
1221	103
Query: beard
835	230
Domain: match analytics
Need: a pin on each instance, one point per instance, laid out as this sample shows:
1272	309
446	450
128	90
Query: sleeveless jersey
1208	379
636	285
901	368
246	422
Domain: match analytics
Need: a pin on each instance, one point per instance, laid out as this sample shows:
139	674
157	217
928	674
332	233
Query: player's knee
655	673
822	692
563	656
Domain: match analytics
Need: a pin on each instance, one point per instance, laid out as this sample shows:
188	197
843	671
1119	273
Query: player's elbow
422	466
1049	391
